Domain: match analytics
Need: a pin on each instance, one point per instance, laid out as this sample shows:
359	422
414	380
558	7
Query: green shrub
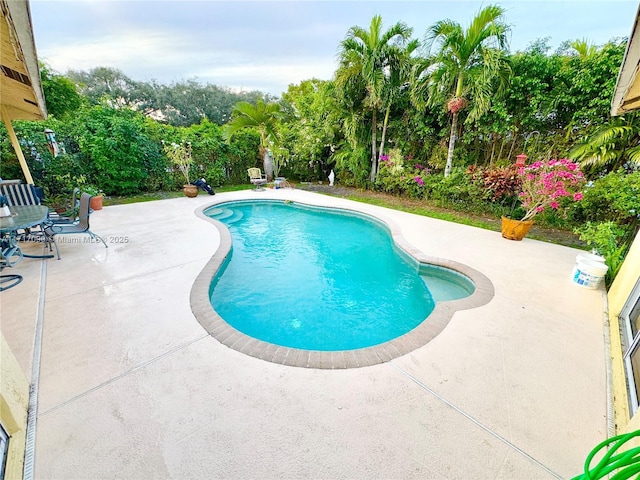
614	197
120	156
215	175
352	165
458	191
401	176
609	240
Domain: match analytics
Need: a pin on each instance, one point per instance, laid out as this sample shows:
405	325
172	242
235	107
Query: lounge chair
80	225
257	178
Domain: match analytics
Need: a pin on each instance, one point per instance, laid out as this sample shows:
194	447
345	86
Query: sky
267	45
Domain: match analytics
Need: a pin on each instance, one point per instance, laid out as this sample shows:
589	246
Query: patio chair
80	225
70	215
19	193
257	178
23	194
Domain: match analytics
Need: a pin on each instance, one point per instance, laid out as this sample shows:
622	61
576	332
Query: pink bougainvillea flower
419	180
545	182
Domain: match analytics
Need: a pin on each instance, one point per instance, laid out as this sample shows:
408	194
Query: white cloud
126	49
269	76
267	45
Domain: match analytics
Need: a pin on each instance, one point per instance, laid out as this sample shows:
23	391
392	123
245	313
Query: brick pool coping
435	323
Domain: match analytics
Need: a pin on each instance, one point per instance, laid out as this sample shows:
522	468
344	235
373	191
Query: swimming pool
322	280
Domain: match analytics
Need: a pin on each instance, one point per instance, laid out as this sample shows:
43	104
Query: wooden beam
16	146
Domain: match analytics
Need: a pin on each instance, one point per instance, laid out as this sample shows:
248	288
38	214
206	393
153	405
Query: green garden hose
621	466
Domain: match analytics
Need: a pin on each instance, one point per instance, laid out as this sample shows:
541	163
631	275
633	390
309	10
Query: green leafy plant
614	197
92	190
608	239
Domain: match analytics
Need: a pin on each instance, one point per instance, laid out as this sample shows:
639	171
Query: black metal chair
79	225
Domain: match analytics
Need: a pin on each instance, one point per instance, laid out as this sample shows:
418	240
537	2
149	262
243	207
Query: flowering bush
396	175
545	183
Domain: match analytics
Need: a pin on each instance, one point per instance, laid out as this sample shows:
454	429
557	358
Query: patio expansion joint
32	411
475	421
124	374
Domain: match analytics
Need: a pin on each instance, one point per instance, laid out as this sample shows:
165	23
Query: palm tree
264	118
465	66
400	67
583	48
365	57
611	146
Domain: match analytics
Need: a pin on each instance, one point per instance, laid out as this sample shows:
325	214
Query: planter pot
190	190
515	229
96	202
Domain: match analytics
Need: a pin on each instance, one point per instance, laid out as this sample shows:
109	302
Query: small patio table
21	218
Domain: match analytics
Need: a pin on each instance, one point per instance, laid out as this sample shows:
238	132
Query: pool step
237	215
220	213
225	215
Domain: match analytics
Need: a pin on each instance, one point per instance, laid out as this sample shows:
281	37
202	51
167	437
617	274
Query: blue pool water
317	279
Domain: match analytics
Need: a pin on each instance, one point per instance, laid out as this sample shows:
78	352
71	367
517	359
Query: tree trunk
513	144
501	148
452	141
374	157
267	161
493	149
384	132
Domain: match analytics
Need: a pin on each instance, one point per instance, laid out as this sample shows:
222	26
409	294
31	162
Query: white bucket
590	257
588	273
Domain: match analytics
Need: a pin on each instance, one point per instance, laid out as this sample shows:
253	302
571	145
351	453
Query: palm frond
633	155
608	133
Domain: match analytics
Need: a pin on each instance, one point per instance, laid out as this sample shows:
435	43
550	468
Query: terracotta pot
96	202
515	229
190	190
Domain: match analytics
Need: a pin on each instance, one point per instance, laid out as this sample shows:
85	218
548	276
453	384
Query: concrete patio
131	386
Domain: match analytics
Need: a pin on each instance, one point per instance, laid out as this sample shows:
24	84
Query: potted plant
180	156
543	184
97	196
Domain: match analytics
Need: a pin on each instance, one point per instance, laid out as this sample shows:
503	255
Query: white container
5	212
590	257
588	273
